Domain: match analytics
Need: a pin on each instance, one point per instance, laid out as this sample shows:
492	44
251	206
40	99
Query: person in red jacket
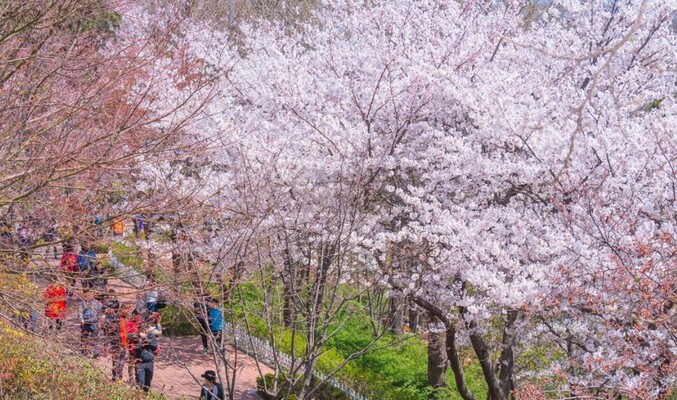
69	266
55	307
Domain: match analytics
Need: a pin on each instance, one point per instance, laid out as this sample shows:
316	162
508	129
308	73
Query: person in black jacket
143	346
210	389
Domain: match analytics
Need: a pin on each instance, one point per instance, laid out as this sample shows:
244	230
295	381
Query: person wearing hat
210	389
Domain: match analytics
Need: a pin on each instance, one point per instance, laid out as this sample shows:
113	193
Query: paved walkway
180	363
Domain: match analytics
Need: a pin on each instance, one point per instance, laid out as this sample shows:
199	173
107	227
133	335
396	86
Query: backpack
215	317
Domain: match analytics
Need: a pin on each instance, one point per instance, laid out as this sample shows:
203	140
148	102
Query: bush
178	321
31	368
325	392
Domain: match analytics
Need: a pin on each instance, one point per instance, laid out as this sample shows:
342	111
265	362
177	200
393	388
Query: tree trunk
396	318
289	283
456	365
437	357
413	318
506	362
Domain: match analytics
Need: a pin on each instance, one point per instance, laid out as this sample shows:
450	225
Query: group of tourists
128	334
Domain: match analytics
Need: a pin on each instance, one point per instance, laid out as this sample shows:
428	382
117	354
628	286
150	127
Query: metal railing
128	274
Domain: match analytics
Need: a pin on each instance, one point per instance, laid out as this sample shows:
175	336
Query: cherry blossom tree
472	144
490	149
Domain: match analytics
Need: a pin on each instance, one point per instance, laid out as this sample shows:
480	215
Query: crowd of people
128	333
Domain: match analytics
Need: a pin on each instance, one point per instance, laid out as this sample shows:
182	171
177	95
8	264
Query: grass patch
396	371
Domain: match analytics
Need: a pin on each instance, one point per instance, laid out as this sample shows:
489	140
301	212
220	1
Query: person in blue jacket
212	325
86	260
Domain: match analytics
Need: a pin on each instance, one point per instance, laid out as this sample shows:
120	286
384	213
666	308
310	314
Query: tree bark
482	351
506	362
456	365
437	358
413	318
288	282
397	313
452	354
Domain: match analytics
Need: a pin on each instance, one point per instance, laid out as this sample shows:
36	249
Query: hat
209	375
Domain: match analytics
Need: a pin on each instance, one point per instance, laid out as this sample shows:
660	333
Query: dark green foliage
178	321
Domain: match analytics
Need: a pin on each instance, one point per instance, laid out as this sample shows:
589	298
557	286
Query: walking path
180	363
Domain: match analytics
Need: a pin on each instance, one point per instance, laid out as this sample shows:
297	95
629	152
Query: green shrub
178	321
325	392
396	371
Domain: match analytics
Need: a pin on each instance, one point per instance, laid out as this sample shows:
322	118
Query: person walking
120	359
85	262
24	236
151	298
89	312
211	390
139	225
111	300
200	312
143	346
210	329
55	306
133	327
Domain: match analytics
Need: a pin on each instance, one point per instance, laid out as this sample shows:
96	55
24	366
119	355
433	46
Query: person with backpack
89	312
143	346
211	390
85	262
55	305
